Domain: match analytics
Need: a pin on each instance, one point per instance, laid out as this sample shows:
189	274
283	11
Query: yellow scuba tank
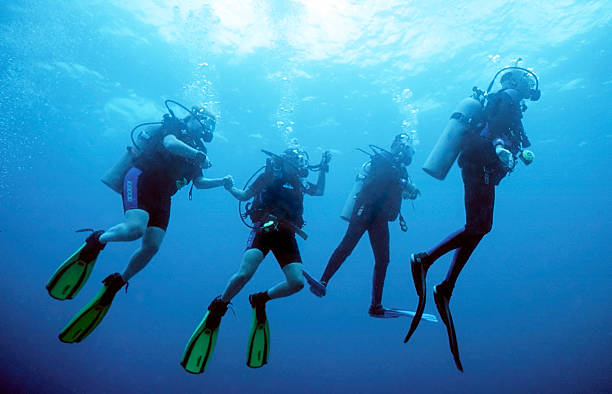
142	141
443	155
349	205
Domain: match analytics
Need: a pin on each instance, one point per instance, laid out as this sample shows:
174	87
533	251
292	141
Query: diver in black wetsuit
488	154
385	183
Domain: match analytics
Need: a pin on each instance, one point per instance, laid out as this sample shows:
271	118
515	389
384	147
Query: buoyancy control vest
381	193
502	116
282	197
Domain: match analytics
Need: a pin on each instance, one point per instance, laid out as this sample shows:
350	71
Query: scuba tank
144	142
351	200
113	178
444	153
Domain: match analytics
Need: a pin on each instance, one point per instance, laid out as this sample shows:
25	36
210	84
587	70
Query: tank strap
462	118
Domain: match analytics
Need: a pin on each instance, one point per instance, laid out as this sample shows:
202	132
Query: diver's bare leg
250	262
151	242
132	228
294	282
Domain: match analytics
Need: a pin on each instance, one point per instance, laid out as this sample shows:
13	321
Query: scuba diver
375	201
165	157
489	141
276	214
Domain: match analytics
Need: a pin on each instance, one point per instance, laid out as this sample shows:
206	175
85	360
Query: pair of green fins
203	340
70	278
72	275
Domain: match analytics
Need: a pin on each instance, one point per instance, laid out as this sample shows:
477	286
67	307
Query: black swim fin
259	337
442	300
70	277
92	314
419	269
203	340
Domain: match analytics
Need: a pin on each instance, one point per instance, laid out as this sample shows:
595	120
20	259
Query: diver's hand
325	159
228	182
411	194
505	156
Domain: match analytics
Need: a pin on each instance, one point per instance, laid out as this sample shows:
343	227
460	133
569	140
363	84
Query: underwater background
532	307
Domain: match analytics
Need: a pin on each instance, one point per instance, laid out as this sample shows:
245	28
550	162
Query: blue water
531	308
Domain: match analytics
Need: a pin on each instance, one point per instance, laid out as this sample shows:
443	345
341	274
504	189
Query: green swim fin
70	277
259	337
92	314
203	340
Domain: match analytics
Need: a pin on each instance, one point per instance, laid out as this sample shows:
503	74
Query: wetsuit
156	177
481	171
283	198
378	203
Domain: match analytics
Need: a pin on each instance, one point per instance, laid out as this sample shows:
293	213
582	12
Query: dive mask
402	149
298	159
521	79
206	120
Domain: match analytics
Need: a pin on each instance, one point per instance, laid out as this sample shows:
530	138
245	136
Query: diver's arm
179	148
241	194
319	188
209	183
